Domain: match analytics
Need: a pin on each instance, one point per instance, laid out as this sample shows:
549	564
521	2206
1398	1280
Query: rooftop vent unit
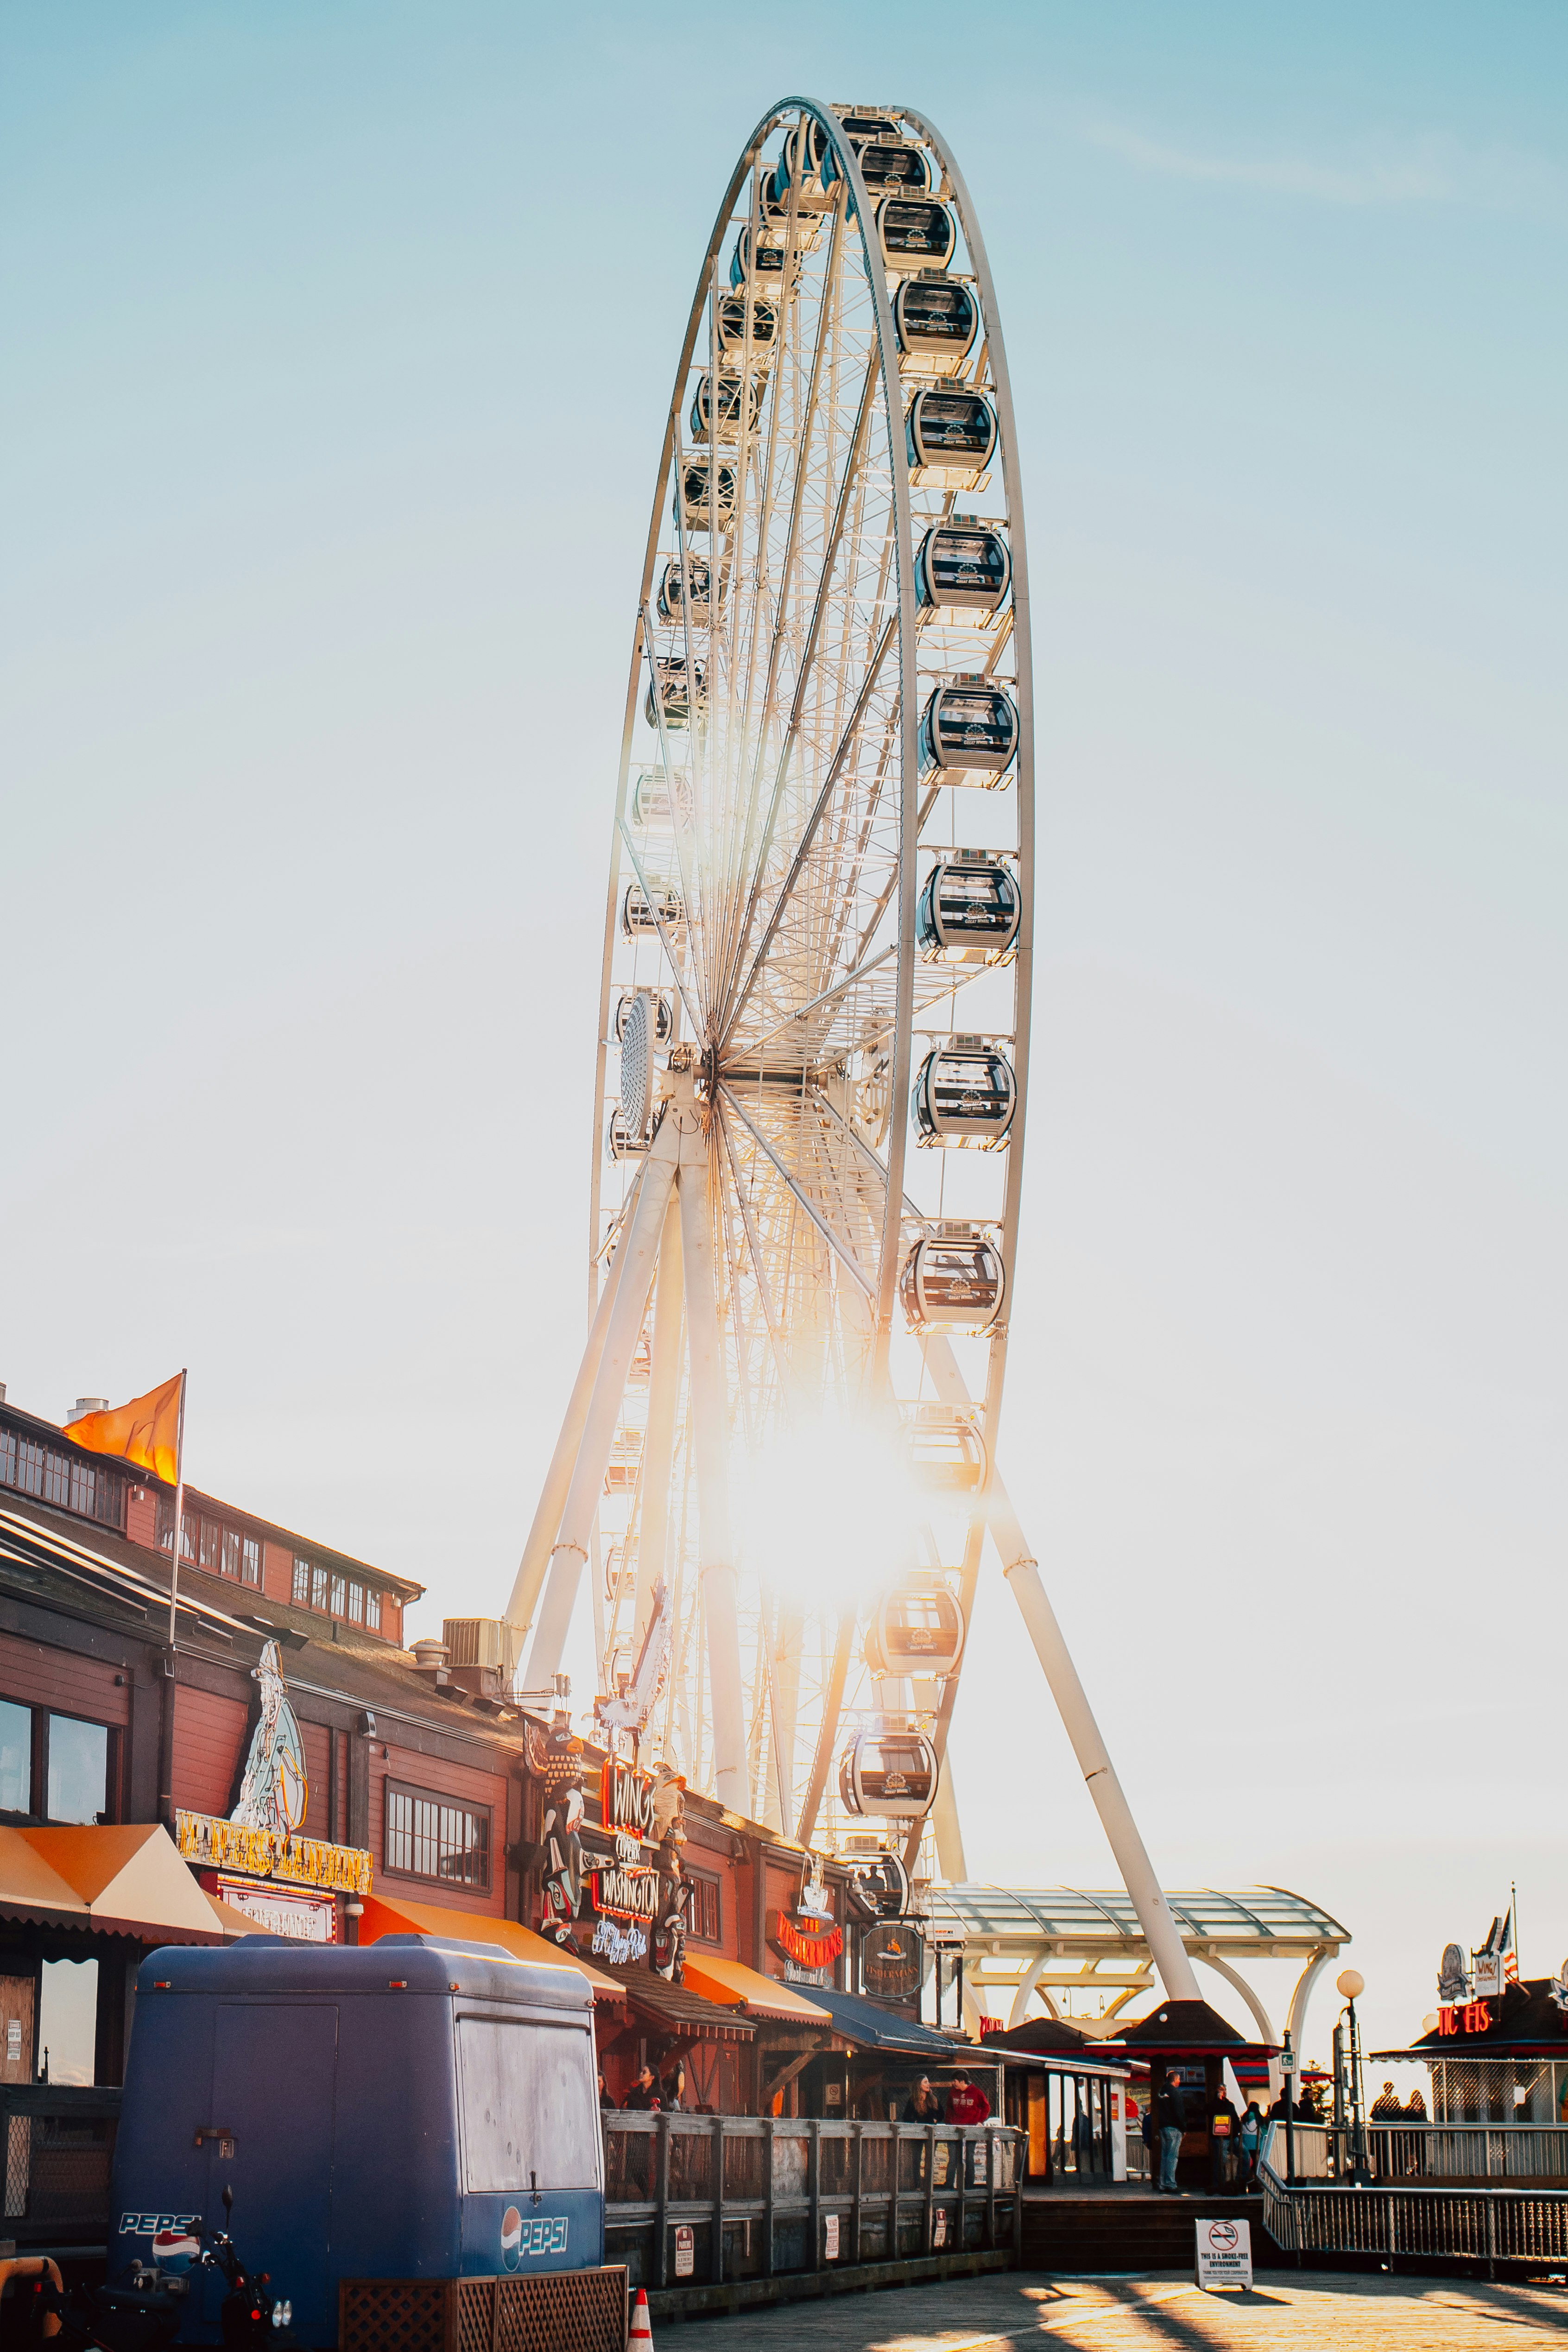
478	1654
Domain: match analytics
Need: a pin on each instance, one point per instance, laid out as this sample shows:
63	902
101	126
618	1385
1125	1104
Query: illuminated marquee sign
625	1801
807	1948
623	1894
216	1844
1471	2016
626	1888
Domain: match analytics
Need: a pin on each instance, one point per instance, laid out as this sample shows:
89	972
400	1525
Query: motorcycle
145	2311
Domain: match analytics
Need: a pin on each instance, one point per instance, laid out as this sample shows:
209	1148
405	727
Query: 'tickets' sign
806	1946
1471	2016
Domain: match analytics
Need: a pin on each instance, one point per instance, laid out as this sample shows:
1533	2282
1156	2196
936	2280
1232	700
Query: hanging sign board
830	2237
890	1960
808	1947
278	1910
685	2248
1224	2253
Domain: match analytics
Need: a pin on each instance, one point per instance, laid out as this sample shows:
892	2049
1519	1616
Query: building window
231	1551
356	1604
339	1596
87	1488
54	1767
210	1545
78	1770
318	1587
250	1560
372	1612
702	1904
430	1837
15	1757
302	1581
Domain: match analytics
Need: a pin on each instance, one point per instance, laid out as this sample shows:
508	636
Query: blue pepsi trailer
409	2109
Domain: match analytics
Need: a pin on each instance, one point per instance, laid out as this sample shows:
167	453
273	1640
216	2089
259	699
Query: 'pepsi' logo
175	2248
545	2233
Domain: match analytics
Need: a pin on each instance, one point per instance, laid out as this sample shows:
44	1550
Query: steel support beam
1022	1570
710	1447
579	1516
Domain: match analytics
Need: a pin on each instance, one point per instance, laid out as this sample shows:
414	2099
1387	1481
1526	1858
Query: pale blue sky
337	342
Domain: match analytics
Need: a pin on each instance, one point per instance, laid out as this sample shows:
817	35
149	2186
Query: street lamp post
1350	1982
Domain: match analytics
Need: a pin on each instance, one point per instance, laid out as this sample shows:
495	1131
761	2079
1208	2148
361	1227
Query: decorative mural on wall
260	1836
561	1873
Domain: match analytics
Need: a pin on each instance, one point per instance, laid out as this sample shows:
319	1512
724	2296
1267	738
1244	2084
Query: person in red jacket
966	2103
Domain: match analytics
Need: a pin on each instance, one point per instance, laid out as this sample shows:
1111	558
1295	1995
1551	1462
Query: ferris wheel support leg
710	1434
949	1852
664	1396
1022	1570
569	1552
529	1582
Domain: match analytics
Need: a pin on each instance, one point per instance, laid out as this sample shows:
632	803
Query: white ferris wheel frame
663	1241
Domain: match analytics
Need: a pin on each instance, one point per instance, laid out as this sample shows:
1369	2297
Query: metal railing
1456	2153
708	2198
58	2145
1413	2220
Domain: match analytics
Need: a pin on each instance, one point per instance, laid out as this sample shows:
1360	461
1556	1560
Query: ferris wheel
813	1042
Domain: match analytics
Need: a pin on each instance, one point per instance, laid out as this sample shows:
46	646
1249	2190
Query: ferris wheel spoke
826	575
842	1249
760	725
848	745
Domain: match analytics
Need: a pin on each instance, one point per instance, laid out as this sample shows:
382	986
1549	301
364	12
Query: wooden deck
1288	2312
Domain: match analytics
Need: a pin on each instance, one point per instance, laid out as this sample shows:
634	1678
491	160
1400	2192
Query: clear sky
336	347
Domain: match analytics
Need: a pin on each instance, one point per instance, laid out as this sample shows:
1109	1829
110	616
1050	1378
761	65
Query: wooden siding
471	1786
37	1675
209	1745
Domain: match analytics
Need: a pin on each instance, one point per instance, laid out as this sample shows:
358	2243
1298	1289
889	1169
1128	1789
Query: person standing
1249	2139
1223	2127
643	2097
922	2106
1170	2106
966	2102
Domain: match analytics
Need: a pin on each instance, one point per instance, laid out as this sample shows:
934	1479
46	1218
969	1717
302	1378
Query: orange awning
390	1914
124	1879
758	1995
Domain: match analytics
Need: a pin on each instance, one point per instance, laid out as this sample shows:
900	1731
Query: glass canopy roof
1256	1919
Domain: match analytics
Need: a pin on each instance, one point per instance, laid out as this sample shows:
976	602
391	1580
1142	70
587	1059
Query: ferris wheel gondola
826	654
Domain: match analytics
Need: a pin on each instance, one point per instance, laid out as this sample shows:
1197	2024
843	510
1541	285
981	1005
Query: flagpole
179	1507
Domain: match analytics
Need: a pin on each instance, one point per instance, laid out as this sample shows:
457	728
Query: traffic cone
640	2331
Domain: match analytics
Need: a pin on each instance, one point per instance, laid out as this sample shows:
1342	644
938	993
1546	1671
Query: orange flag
146	1430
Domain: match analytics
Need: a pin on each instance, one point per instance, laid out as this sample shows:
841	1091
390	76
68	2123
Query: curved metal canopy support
1295	2020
